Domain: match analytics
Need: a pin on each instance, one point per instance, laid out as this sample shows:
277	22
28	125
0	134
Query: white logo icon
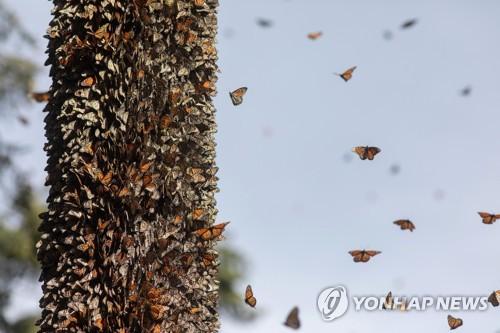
333	302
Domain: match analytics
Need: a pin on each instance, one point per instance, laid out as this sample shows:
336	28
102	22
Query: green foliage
231	271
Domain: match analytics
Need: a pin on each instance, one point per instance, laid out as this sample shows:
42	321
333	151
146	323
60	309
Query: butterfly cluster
128	240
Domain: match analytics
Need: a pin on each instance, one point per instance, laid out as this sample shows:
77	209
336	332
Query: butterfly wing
39	96
487	217
292	320
314	35
371	152
361	151
237	95
389	302
249	297
493	298
454	323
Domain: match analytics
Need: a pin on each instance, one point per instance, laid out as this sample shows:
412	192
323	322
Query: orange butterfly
39	97
292	320
211	232
249	297
454	322
489	218
88	82
494	298
405	224
389	302
366	152
237	95
347	75
314	35
363	255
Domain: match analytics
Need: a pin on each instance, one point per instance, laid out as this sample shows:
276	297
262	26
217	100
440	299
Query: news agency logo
333	303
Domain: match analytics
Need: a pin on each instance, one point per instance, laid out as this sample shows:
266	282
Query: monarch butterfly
366	152
292	320
237	95
347	75
249	297
454	322
408	23
389	302
489	218
405	224
494	298
211	232
88	82
314	35
363	255
39	97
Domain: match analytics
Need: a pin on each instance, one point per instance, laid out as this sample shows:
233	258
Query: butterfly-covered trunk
130	143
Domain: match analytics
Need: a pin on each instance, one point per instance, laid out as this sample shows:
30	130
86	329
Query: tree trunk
127	244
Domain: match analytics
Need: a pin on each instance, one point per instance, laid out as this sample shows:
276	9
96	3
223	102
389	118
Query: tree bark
130	144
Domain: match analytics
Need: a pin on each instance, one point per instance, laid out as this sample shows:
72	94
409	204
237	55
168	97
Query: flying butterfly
408	23
454	323
494	298
489	218
347	74
292	320
314	35
211	232
237	95
389	302
249	297
405	225
363	255
366	152
39	97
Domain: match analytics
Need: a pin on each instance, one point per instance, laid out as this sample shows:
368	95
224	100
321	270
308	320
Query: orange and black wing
371	152
314	35
405	224
249	297
454	322
211	232
39	97
292	320
494	298
361	151
347	74
488	218
237	95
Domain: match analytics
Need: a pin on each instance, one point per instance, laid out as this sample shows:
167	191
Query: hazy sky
297	205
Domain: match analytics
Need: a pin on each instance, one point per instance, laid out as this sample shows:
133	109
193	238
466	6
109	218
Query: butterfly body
366	152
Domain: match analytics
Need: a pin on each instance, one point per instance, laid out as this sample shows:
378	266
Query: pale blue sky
297	207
